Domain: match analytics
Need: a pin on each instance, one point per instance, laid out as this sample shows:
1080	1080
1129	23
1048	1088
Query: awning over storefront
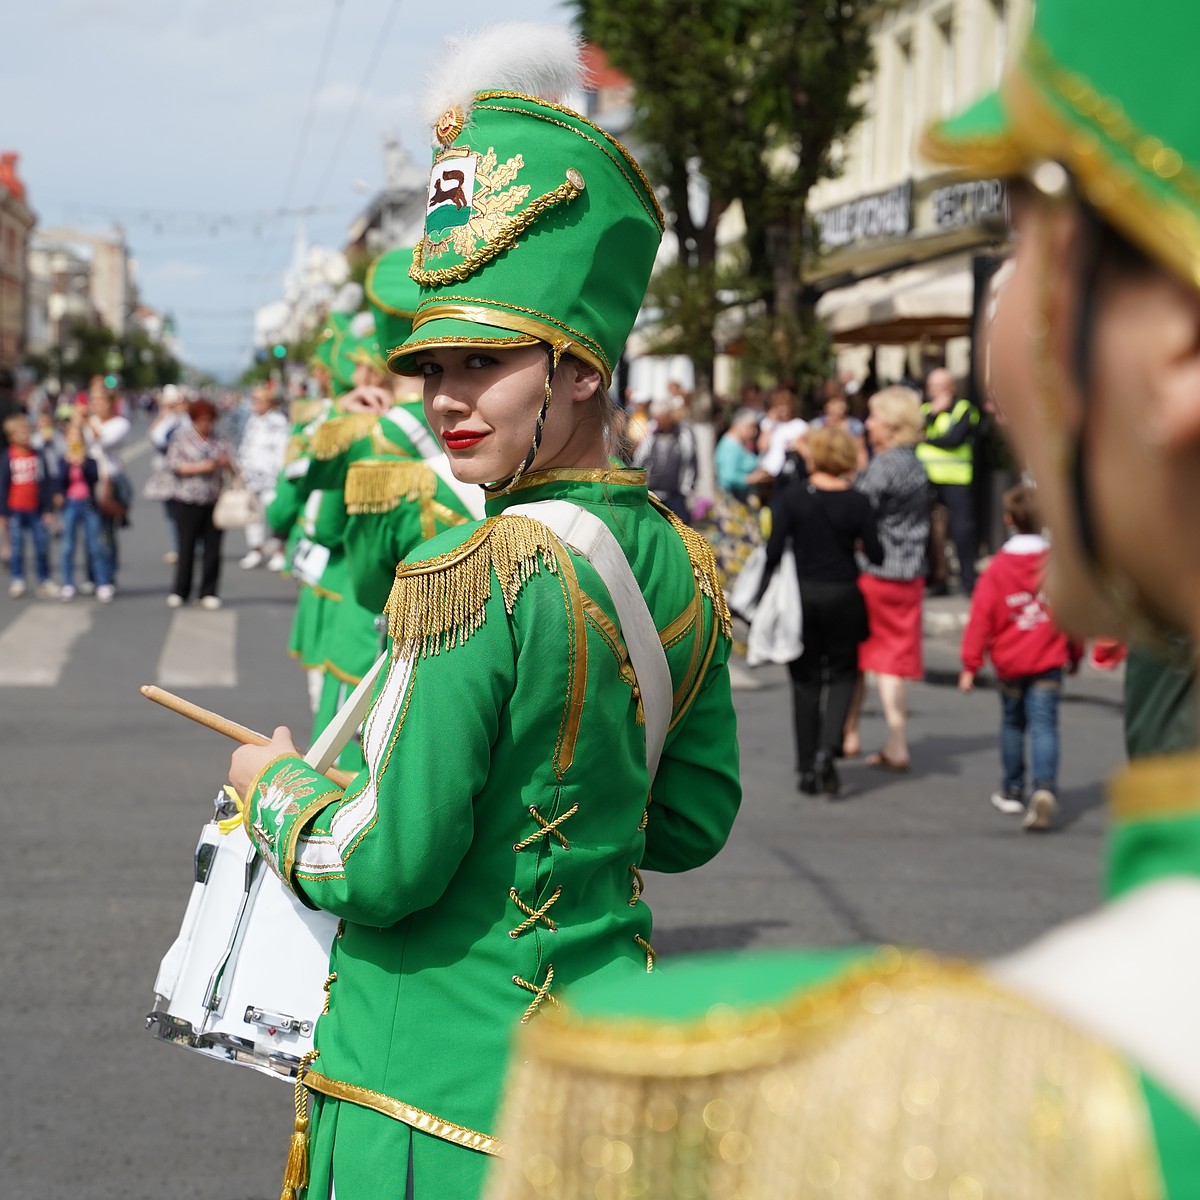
931	300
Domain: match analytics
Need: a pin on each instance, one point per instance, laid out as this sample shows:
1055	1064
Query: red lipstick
462	439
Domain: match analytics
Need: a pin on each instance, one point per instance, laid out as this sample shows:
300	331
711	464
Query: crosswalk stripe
740	680
199	650
35	647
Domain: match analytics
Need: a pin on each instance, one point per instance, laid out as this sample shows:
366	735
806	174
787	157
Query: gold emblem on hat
449	125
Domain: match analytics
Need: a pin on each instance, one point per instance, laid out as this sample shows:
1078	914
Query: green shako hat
1100	86
362	344
393	297
539	225
340	362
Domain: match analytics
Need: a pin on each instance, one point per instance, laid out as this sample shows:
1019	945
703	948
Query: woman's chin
472	470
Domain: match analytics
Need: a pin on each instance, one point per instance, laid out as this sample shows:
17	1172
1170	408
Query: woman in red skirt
899	489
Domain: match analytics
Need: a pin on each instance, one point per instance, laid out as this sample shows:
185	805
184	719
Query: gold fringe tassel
379	485
301	412
295	1172
438	604
704	566
338	434
297	448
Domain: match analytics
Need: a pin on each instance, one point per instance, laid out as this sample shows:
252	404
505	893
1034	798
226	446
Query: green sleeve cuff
284	797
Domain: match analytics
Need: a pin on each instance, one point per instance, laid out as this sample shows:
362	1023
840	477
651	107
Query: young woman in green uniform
1071	1068
490	855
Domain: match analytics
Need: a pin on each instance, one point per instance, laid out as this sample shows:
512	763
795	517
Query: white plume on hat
526	57
362	325
349	297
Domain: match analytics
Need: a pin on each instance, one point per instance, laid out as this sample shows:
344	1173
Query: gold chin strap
504	486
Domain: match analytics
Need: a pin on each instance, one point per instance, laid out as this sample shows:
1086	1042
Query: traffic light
110	382
280	351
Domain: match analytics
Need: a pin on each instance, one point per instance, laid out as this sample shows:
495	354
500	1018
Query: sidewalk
945	616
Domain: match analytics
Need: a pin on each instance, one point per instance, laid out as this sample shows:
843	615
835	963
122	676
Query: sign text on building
883	215
975	203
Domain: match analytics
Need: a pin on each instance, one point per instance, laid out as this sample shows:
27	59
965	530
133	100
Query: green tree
739	101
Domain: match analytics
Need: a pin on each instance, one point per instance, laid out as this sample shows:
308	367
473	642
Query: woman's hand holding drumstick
256	749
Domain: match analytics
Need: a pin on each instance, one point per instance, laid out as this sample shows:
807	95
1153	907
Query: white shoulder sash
589	536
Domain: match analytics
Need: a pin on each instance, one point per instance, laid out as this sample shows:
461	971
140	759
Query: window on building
945	37
999	36
908	102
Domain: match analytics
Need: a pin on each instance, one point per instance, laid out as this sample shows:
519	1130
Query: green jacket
490	855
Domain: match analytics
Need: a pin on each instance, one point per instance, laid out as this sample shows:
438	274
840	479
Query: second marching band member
491	852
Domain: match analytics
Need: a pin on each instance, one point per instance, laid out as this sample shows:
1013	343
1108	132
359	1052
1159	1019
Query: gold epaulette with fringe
338	434
439	604
301	412
297	447
704	566
378	485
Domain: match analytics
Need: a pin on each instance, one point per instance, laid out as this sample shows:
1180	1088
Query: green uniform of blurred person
490	855
1070	1068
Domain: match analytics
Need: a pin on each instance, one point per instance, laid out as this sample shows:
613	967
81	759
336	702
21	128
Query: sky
194	123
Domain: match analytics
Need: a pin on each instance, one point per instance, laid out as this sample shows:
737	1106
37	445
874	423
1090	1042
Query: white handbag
237	506
777	627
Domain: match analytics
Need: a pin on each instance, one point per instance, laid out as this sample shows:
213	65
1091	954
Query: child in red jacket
1010	622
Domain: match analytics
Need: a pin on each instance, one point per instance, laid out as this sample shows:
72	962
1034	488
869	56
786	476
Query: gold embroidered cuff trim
1168	786
252	790
407	1114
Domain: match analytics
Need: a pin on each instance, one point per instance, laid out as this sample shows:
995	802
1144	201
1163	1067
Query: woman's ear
583	379
1174	417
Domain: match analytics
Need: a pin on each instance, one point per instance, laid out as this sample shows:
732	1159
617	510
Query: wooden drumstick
231	729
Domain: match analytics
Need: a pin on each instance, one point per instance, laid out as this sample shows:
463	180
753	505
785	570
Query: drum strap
589	536
323	753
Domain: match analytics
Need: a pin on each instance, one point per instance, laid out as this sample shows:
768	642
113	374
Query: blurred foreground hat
1103	87
393	297
539	226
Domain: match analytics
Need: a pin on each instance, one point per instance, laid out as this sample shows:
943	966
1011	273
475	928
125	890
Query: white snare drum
244	980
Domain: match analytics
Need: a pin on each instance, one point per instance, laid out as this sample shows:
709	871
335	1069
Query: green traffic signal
110	382
280	351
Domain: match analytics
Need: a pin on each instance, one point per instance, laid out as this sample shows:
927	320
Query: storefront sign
961	204
884	215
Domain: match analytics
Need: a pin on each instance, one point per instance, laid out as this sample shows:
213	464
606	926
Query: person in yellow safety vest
947	453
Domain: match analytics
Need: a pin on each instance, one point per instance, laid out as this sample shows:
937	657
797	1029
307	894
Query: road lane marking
199	650
740	679
136	450
35	647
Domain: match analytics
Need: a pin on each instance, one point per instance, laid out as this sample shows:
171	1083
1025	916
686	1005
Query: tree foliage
90	348
739	101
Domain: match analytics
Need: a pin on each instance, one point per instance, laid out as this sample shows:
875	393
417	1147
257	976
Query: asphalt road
105	794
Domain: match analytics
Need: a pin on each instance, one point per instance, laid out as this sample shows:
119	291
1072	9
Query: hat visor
444	333
977	141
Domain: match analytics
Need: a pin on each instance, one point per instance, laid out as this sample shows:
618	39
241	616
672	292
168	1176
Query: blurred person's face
20	434
203	424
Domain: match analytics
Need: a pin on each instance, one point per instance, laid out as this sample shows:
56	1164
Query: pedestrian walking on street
199	461
825	521
259	460
27	492
668	454
106	431
898	488
1011	624
77	481
160	487
490	856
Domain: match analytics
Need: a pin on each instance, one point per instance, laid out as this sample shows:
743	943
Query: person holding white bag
824	520
260	458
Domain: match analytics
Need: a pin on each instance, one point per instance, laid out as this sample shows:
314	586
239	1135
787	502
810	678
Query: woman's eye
427	369
476	361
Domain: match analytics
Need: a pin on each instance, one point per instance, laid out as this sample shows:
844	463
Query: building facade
902	243
16	225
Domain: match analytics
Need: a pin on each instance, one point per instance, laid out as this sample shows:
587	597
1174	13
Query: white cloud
174	270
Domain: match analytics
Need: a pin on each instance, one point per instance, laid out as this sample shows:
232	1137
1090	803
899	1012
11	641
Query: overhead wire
364	83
